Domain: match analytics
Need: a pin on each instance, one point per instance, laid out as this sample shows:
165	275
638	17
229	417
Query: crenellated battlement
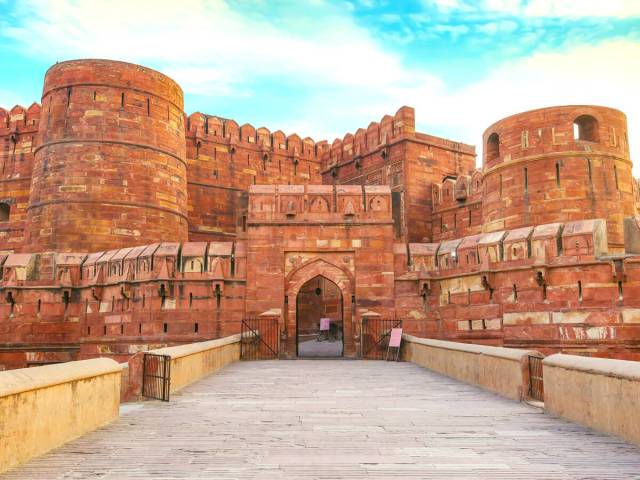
155	262
376	137
557	243
198	221
201	127
19	118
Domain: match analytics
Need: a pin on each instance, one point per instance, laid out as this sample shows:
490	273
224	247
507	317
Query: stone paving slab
328	419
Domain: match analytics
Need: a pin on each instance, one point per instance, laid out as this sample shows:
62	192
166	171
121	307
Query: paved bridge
335	419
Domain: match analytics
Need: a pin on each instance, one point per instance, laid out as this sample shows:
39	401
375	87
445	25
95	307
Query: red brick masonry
127	225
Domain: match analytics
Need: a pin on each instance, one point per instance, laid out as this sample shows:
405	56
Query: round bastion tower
558	164
109	171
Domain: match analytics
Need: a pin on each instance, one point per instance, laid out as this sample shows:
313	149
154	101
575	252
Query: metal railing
260	339
156	376
375	336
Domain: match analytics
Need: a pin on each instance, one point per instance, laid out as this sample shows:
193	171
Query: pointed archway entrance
319	324
337	282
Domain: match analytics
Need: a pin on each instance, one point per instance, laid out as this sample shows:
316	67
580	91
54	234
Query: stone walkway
328	419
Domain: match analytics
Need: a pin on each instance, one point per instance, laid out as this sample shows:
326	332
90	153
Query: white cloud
492	28
544	8
583	8
208	38
10	99
454	30
446	5
347	78
603	74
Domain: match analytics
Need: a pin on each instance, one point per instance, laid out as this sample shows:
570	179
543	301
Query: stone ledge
193	348
623	369
28	379
513	354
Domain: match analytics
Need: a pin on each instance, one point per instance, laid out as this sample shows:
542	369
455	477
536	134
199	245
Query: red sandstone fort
127	225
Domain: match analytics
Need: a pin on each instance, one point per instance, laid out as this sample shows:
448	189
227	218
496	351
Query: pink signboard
396	337
325	324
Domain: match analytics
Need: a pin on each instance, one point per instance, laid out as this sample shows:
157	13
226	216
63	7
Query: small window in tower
558	174
5	210
585	128
493	147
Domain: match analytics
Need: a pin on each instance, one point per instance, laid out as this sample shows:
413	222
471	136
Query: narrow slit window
195	327
515	292
526	180
620	292
165	327
139	328
579	291
590	172
500	185
558	174
615	176
148	107
5	212
122	100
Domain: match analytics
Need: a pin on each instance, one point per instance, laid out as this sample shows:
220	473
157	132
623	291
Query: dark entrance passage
319	299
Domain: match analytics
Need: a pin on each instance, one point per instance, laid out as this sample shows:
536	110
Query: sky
324	68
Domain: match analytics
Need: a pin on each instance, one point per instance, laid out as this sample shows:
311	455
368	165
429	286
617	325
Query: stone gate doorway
319	298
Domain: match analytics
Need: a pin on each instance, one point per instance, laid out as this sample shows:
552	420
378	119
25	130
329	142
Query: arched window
5	210
585	128
493	147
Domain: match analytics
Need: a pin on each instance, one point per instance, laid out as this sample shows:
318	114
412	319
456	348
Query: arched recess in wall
5	212
585	128
341	276
493	147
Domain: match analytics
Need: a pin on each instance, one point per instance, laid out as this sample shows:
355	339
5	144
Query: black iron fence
156	376
260	339
375	337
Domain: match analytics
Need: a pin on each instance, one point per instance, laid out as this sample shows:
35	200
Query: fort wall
391	152
18	139
126	225
224	159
